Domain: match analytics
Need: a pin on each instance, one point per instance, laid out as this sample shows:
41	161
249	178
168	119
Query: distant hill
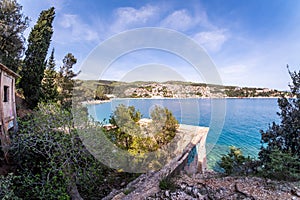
105	89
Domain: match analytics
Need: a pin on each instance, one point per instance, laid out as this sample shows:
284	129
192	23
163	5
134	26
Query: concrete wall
190	159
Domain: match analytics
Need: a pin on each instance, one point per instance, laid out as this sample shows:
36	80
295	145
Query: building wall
7	99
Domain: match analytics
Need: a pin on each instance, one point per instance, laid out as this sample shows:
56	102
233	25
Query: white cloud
128	17
183	20
178	20
211	40
75	29
68	21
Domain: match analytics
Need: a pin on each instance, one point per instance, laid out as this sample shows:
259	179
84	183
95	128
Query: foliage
41	158
49	84
234	162
282	166
164	125
232	91
101	91
127	191
12	25
125	120
7	190
52	161
167	184
127	133
65	80
34	63
284	138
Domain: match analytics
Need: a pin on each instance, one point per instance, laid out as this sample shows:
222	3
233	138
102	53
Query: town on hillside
103	90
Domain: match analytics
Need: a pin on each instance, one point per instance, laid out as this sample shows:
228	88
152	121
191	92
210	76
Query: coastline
93	102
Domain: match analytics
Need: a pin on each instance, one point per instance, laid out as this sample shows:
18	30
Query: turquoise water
243	119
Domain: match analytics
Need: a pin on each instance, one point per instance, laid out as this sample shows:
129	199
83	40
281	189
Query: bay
243	120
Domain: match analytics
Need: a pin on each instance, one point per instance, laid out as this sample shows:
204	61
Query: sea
231	121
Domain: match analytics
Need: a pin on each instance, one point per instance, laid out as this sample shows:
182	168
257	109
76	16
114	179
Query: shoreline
93	102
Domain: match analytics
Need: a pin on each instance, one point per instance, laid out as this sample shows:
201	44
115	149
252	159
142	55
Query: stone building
8	114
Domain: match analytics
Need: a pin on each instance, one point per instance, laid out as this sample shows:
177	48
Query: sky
249	42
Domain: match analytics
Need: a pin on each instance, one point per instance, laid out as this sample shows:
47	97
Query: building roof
9	71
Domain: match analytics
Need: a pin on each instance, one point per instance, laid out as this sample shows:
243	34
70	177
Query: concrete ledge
190	157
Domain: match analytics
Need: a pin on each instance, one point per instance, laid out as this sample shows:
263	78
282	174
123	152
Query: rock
175	195
218	187
122	184
167	193
195	192
295	192
283	188
183	185
119	196
188	189
202	191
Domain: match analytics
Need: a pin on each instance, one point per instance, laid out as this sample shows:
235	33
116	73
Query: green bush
52	161
41	150
234	162
128	135
282	166
280	151
167	184
7	188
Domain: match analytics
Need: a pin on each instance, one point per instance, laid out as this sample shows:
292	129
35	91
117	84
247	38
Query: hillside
102	89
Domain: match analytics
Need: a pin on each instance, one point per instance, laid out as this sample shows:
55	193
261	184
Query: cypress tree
49	85
35	55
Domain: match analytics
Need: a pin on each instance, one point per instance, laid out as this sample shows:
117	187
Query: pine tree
49	85
12	25
284	138
34	62
65	80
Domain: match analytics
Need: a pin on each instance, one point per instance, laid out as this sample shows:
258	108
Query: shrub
127	133
167	184
52	161
282	166
234	162
281	142
7	189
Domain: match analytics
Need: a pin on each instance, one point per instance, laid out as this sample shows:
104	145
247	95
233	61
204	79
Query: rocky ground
213	186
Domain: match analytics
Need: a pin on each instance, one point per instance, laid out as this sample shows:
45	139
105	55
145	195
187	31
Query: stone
188	189
295	192
167	193
119	196
195	191
183	185
122	184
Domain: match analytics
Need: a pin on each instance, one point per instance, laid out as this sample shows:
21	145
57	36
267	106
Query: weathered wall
7	98
190	159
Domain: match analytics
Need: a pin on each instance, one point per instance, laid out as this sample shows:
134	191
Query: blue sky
250	42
